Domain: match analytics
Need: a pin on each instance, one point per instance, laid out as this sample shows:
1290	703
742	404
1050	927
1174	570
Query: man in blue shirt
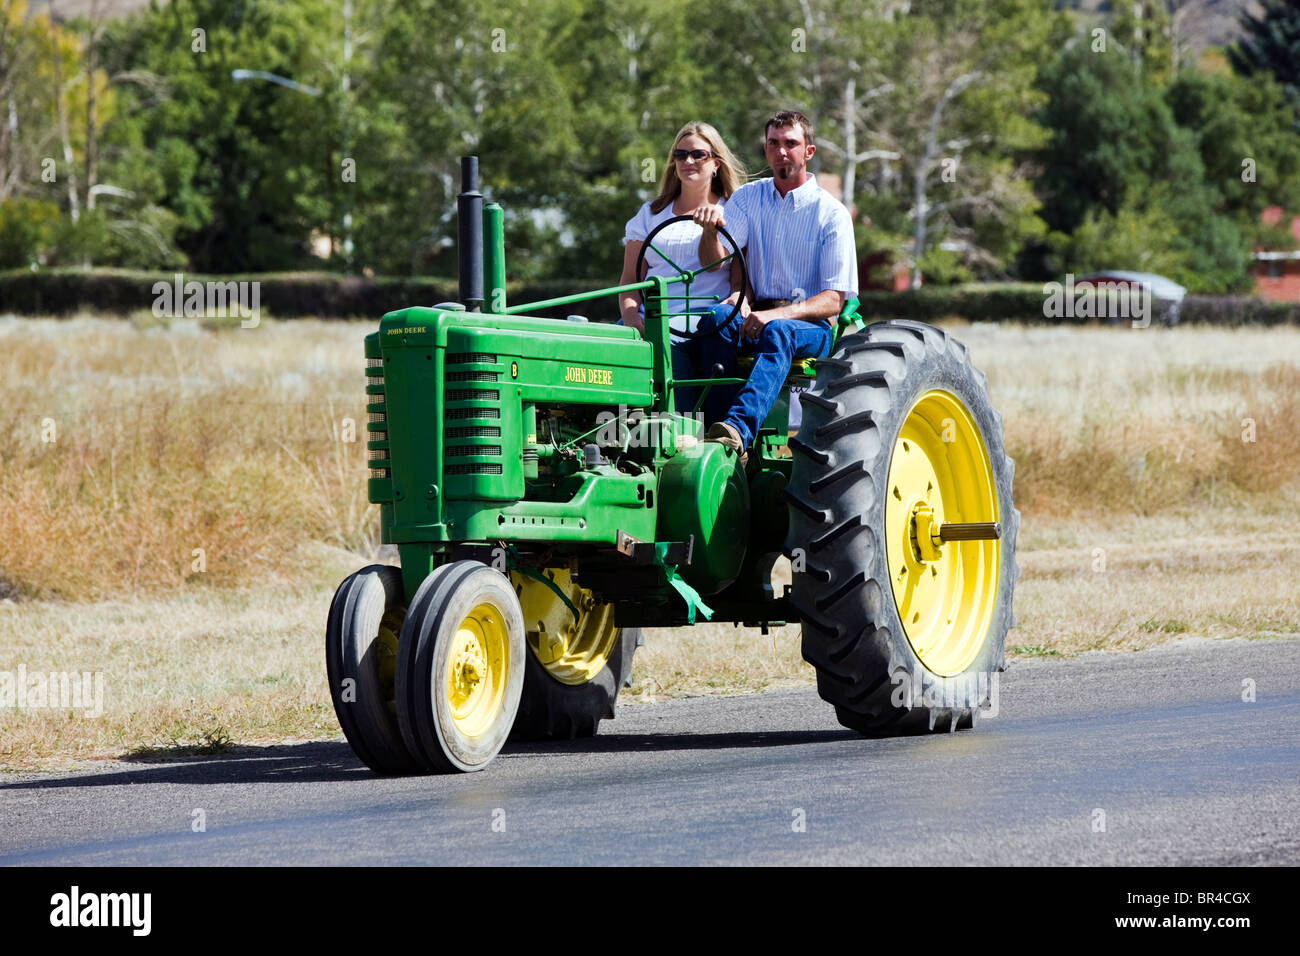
802	268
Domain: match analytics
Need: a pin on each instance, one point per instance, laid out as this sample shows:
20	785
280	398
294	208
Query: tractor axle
970	531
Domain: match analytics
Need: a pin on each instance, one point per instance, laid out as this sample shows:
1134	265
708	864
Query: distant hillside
69	9
1200	23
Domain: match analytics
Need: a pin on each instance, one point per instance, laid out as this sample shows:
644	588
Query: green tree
1128	160
1243	128
1141	237
642	74
821	57
961	120
924	110
570	104
29	212
247	167
1111	133
1145	31
1271	44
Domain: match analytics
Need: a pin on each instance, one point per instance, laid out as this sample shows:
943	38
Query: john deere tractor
548	501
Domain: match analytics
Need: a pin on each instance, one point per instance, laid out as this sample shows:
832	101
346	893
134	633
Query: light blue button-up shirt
800	244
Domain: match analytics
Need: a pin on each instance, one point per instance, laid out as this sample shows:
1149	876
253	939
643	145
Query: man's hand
752	327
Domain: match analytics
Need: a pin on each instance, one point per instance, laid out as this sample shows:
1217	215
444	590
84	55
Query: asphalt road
1157	747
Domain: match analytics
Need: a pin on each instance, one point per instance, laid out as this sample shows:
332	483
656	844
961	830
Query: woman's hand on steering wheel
710	217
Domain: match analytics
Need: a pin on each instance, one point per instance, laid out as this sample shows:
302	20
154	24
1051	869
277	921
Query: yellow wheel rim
475	675
945	591
573	651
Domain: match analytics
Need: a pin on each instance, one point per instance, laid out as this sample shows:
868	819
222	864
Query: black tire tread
550	710
370	730
851	634
418	650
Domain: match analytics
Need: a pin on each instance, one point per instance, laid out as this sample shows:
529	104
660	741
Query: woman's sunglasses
695	154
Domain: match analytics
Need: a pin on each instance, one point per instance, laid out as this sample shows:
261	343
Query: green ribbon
691	596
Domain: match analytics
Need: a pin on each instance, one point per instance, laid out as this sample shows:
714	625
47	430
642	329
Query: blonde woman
701	171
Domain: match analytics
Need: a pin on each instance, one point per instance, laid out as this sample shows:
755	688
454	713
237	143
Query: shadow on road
315	762
648	743
334	762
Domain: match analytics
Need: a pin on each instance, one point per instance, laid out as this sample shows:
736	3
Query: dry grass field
177	503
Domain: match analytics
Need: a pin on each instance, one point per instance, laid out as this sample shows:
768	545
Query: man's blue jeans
745	406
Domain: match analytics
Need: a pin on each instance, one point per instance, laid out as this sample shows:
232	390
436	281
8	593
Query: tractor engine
510	437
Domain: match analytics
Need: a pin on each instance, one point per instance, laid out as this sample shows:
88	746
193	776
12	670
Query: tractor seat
802	371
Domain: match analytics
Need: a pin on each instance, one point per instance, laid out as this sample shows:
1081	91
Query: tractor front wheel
460	667
902	532
360	658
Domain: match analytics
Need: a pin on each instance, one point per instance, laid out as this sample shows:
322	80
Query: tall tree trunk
849	182
922	213
92	136
69	160
61	106
920	206
9	163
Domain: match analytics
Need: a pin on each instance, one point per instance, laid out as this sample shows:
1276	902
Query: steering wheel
690	275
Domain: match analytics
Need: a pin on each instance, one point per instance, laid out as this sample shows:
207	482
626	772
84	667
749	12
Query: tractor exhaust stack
469	216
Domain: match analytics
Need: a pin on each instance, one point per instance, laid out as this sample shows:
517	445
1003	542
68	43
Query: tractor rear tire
360	657
897	430
568	695
551	710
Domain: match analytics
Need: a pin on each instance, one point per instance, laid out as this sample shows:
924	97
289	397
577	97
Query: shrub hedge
63	292
121	292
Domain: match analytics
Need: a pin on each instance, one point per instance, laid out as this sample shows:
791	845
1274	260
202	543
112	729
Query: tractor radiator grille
482	468
456	379
473	395
376	418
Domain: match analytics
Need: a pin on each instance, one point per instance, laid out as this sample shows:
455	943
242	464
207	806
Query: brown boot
724	434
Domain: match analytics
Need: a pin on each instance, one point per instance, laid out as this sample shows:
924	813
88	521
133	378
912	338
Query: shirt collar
803	194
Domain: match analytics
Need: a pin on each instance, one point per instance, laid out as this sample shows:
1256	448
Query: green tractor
548	502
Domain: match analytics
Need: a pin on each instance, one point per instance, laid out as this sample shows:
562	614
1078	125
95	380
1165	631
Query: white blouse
680	242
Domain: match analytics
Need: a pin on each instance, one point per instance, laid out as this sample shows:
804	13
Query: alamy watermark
1098	300
194	299
921	688
632	428
75	908
53	691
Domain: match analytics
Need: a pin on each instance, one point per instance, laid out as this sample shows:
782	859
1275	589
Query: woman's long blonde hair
729	175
